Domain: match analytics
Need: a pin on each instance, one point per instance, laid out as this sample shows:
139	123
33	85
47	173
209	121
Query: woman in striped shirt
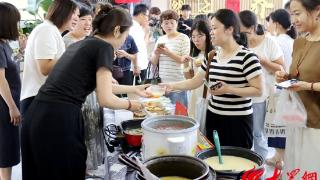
169	53
239	71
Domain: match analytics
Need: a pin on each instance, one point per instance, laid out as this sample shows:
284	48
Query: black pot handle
129	162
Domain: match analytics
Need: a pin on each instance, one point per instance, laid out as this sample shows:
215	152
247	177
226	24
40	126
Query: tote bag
290	110
272	127
202	103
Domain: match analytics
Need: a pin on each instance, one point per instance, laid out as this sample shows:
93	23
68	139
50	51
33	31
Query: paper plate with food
156	91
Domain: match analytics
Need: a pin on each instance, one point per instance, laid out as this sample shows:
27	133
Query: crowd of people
86	56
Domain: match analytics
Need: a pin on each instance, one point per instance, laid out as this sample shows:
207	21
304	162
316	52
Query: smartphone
212	85
286	84
161	45
215	85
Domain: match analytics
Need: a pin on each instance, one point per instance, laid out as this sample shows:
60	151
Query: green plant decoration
44	4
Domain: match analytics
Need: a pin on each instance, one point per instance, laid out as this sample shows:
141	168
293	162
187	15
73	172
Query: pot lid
170	124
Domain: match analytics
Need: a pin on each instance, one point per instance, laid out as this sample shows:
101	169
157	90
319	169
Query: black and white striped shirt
235	72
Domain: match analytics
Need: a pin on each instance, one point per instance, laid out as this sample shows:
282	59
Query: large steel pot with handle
169	135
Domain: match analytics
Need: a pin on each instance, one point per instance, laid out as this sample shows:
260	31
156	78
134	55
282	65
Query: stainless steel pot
169	135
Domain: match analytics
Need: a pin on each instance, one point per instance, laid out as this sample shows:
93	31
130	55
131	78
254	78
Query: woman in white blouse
284	33
44	47
271	59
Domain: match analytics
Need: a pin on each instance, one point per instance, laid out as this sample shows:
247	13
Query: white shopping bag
272	127
290	110
202	103
201	114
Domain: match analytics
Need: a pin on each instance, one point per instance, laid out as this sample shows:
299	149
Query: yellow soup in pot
174	178
233	163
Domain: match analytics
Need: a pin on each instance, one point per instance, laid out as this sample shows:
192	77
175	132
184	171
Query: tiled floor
17	169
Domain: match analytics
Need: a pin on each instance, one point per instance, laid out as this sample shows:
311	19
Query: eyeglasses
198	36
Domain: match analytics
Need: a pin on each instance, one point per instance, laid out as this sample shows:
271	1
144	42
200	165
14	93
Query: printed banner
233	4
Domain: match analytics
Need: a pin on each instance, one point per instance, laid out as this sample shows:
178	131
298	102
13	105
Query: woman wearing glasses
200	47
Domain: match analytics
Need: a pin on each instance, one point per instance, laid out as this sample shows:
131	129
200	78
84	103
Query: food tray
158	106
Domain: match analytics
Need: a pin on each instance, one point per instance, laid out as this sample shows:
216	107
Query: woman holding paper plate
52	137
238	72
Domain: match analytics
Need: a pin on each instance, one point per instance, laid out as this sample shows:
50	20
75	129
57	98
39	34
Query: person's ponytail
103	12
105	9
259	29
242	39
108	18
292	32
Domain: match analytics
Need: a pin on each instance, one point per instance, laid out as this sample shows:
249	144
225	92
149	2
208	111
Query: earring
116	34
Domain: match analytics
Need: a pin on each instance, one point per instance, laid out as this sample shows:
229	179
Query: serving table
116	170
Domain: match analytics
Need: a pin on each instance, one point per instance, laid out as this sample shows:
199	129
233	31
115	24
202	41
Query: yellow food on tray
161	113
152	104
139	114
156	94
156	108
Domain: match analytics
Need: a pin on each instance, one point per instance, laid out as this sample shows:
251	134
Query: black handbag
117	72
155	79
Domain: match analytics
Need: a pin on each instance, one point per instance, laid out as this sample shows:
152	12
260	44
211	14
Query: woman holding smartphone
239	72
169	52
302	144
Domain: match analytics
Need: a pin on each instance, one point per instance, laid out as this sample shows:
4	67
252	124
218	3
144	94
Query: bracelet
129	106
312	86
